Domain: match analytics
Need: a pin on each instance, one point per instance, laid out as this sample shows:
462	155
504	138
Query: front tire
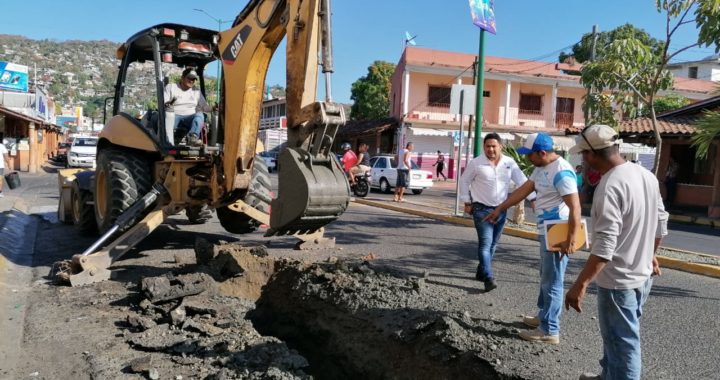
83	216
122	177
417	191
258	196
385	186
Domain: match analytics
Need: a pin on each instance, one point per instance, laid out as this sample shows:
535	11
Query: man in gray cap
188	104
629	221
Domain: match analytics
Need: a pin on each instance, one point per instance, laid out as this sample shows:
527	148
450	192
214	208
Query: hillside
83	73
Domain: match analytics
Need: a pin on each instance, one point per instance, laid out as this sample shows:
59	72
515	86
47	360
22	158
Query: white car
384	175
82	152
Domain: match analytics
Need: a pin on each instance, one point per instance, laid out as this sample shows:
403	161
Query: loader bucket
311	193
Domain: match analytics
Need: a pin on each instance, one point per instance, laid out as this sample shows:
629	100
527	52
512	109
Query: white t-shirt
627	214
552	182
401	159
482	182
187	102
3	152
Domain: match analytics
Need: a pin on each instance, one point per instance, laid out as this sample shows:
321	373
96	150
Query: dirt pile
188	328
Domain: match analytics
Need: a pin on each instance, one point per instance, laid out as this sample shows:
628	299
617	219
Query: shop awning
430	131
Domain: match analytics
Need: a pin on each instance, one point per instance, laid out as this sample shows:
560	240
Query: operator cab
150	60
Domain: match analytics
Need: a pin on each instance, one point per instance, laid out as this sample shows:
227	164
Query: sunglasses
582	133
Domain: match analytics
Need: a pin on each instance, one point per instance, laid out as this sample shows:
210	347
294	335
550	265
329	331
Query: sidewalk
38	193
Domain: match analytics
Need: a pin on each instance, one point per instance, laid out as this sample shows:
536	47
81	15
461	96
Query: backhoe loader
145	172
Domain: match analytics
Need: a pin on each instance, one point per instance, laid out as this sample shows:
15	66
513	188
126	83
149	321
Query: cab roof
188	45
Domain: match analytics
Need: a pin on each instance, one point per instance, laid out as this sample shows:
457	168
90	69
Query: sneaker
490	285
194	140
540	336
1	195
531	321
590	376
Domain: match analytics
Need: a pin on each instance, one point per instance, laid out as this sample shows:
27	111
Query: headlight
72	154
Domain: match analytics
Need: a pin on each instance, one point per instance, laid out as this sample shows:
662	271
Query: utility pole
588	111
219	72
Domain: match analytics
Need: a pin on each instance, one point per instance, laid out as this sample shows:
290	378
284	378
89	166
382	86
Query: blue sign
483	14
13	77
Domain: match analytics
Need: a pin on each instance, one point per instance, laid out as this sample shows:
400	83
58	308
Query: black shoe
490	285
194	140
478	274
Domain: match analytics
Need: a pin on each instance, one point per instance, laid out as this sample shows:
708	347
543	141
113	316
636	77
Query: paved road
682	310
441	198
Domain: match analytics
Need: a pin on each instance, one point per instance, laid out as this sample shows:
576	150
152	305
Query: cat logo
231	52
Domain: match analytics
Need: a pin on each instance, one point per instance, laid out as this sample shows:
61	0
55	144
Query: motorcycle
361	187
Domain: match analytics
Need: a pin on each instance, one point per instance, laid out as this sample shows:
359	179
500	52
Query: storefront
29	140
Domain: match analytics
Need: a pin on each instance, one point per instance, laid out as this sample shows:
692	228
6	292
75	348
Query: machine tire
198	214
385	186
83	214
122	177
258	196
417	191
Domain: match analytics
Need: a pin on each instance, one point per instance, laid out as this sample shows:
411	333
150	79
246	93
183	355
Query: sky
363	30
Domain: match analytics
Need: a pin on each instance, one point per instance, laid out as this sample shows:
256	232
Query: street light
220	22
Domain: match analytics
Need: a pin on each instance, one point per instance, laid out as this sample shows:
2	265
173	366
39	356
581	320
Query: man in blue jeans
557	199
188	104
629	222
484	184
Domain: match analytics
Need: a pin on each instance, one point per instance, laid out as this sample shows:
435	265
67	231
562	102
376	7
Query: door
564	113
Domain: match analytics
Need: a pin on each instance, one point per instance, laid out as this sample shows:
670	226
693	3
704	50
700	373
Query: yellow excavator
145	172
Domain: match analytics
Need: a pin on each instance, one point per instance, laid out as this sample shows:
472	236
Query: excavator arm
312	187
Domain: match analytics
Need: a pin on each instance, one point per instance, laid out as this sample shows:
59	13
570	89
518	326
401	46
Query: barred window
531	104
439	96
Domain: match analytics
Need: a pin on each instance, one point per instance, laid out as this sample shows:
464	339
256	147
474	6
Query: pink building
520	97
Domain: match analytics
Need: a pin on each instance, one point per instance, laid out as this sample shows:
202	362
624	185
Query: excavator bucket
312	192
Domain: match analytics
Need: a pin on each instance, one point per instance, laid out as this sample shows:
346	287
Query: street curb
695	220
696	268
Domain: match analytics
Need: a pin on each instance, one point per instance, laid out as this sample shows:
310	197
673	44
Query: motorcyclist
362	165
349	159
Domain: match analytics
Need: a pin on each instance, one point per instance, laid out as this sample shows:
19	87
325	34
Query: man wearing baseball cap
188	104
629	221
557	199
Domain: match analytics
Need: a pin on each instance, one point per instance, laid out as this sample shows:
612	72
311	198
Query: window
693	170
531	104
381	163
693	72
486	94
439	96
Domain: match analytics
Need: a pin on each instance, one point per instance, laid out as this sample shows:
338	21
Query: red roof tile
440	58
682	125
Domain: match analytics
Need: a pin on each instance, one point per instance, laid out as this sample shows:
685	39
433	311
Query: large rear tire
122	177
258	196
83	216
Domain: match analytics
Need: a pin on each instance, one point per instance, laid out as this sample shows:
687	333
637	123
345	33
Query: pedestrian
440	166
579	176
629	221
403	172
484	185
4	162
593	178
671	182
557	199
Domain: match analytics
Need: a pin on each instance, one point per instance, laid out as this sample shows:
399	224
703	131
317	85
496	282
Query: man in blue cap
557	199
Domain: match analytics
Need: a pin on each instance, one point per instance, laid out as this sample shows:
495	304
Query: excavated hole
350	322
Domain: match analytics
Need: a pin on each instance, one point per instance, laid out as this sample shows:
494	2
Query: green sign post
483	15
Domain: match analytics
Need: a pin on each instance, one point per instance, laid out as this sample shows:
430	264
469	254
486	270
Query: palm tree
707	131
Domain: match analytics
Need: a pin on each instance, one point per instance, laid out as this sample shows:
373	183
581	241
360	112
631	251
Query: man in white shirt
629	222
557	199
484	185
403	172
4	161
188	104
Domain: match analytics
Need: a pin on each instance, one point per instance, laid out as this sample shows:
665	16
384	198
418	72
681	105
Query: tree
582	51
707	131
371	93
631	71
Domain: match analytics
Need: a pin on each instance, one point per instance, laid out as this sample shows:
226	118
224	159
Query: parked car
384	175
270	160
82	152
